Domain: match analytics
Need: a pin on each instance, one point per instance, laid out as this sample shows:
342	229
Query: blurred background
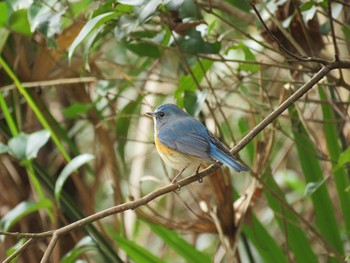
76	78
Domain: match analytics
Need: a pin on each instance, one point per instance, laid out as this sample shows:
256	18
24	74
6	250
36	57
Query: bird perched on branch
184	143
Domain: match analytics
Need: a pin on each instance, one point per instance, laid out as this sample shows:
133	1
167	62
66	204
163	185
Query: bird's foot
200	177
174	181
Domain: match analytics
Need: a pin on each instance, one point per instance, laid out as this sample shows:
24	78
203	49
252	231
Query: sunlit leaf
86	244
18	22
43	19
35	141
126	24
3	13
147	9
88	28
73	165
312	187
18	146
3	148
21	210
131	2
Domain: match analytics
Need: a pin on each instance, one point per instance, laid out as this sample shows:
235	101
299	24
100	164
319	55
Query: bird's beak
150	114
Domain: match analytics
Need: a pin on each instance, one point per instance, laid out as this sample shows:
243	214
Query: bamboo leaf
88	28
134	251
181	246
341	177
324	211
21	210
267	247
74	164
297	241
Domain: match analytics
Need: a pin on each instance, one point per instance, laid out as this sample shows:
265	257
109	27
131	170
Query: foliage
77	78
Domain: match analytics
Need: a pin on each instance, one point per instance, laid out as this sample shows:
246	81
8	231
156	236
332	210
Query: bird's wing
187	136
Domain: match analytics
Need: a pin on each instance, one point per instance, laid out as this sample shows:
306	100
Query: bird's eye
161	114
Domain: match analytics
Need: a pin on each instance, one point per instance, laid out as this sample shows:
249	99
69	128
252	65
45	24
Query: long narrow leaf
295	236
181	246
34	107
324	211
134	251
70	168
267	247
341	177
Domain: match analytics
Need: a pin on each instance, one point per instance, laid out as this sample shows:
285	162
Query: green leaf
248	56
147	9
312	187
86	244
307	6
243	5
35	141
21	210
131	2
193	101
18	22
346	32
123	124
73	165
89	43
324	211
296	238
126	24
26	146
4	33
341	176
3	148
137	253
244	129
181	246
17	146
189	82
267	247
194	43
44	19
3	13
88	28
145	49
344	157
14	248
77	109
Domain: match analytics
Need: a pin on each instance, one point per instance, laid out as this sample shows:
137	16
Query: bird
184	143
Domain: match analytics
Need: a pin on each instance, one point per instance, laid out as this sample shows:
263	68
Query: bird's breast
176	159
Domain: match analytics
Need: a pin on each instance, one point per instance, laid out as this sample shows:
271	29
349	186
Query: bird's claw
178	186
200	177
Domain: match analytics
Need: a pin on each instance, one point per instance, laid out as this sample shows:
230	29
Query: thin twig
47	83
334	39
282	47
18	251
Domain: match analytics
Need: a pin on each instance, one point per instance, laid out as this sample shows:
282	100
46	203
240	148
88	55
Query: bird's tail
228	159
